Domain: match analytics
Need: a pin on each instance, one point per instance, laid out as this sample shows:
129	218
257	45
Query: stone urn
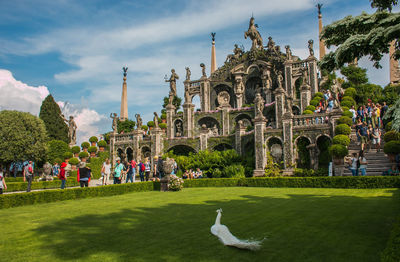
85	149
93	143
46	175
101	148
92	154
168	166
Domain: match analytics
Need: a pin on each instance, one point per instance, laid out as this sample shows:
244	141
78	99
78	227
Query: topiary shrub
391	135
342	129
163	126
85	145
314	102
75	149
341	140
347	113
58	161
308	112
346	103
310	107
351	92
102	143
144	127
388	126
163	116
345	108
392	147
345	120
93	139
92	149
318	94
338	151
350	99
74	161
68	155
83	155
150	124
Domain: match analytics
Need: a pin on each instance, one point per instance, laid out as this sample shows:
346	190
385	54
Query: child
62	175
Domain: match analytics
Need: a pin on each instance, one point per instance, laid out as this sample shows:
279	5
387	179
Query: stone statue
139	121
71	129
215	131
319	6
188	73
125	69
305	76
272	48
254	35
237	54
267	79
258	88
288	104
187	94
259	106
203	70
213	36
223	99
239	85
172	85
115	119
178	127
280	80
288	52
155	119
311	47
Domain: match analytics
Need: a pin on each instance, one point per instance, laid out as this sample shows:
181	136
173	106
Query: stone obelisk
394	65
124	98
213	54
321	42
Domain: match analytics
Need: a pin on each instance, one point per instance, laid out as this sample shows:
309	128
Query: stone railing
123	137
311	120
195	83
302	64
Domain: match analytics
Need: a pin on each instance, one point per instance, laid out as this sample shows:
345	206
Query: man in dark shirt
363	133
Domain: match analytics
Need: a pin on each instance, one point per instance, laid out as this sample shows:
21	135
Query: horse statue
254	35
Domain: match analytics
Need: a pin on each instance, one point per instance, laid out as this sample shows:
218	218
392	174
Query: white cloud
16	95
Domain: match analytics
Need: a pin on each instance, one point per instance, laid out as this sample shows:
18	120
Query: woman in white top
363	163
3	185
106	171
376	138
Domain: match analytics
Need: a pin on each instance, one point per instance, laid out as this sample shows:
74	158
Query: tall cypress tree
50	113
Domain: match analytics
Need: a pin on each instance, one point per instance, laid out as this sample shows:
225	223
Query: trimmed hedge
92	149
21	186
342	129
345	120
308	112
75	149
346	103
68	155
341	140
338	151
46	196
93	139
310	107
391	135
83	154
102	143
85	145
392	147
351	92
74	161
392	251
347	113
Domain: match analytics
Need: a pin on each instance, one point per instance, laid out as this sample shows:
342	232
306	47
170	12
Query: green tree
23	137
363	35
177	101
50	113
126	126
393	115
391	93
56	149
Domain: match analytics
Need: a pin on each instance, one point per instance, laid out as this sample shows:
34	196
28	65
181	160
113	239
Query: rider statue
252	32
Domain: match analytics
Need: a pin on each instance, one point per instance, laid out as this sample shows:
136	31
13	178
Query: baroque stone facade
252	104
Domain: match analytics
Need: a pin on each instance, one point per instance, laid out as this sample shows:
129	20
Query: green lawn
300	224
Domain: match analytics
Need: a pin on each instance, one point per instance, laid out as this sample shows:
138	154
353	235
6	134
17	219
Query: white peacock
226	237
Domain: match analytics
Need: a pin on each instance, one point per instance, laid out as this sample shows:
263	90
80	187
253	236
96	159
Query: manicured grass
301	224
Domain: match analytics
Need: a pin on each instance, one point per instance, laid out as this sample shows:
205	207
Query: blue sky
78	50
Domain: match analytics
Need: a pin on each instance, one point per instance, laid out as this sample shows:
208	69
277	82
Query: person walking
353	165
84	174
129	173
133	166
62	175
376	138
363	133
119	168
141	170
28	175
147	169
363	163
3	185
106	171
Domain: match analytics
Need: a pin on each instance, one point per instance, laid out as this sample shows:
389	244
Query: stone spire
124	98
394	65
213	55
321	42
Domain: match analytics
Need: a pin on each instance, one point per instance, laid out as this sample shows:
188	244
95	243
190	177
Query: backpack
142	167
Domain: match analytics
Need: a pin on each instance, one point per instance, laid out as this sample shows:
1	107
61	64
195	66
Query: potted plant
163	126
92	150
338	152
102	144
164	118
68	155
85	146
75	150
73	162
150	124
93	140
83	155
392	148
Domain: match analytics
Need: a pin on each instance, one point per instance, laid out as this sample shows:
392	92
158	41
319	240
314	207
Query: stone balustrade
310	120
302	64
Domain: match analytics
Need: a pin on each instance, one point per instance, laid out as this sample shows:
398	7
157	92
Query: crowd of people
191	174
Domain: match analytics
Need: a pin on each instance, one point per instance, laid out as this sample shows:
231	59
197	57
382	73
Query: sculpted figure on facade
237	54
288	52
71	129
155	120
305	76
259	106
139	121
203	70
254	35
280	80
178	128
311	47
172	85
115	119
188	73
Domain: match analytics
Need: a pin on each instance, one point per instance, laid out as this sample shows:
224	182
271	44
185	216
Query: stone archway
121	154
210	123
222	88
303	156
251	88
178	128
296	110
245	118
146	152
129	154
275	147
182	150
323	142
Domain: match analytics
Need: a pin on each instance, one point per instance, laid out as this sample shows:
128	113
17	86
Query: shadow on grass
299	228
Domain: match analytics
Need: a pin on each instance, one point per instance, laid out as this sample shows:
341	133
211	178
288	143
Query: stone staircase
377	161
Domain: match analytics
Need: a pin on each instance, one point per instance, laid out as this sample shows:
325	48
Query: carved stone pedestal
260	152
164	183
167	168
170	125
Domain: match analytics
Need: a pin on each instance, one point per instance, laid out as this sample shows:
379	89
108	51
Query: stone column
287	126
279	106
312	70
137	137
205	94
305	96
156	142
203	137
239	132
288	78
260	151
170	124
225	120
188	120
321	41
124	99
239	89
